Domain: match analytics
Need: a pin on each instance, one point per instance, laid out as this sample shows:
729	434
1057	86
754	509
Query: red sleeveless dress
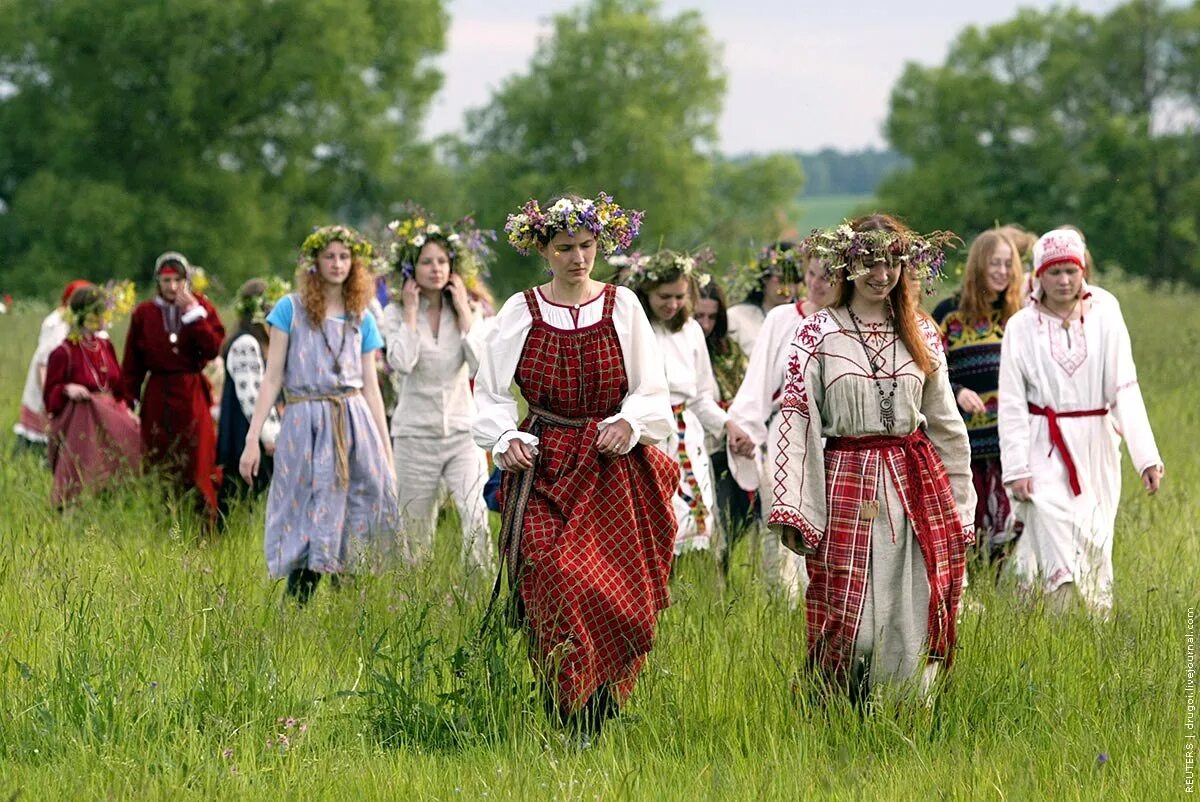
596	542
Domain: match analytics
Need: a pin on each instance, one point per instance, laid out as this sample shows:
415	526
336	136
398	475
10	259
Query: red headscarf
70	288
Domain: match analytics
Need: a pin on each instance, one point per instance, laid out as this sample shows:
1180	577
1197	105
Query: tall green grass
140	660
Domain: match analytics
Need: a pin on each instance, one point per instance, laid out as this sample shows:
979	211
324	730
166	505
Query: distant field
827	210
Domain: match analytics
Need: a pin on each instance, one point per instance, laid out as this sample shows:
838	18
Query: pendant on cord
887	413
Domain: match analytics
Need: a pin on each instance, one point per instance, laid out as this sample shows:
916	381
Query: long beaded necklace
336	357
101	384
887	401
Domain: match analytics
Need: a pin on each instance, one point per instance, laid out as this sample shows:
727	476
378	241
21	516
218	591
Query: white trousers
423	464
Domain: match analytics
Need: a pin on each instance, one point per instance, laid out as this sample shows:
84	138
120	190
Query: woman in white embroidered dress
1068	393
755	409
433	337
873	478
666	284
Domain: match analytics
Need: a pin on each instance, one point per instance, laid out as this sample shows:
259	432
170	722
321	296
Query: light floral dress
322	515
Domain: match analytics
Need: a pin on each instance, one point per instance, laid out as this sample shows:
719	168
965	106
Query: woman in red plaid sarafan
872	481
586	497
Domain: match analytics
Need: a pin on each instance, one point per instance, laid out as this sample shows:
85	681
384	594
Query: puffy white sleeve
1128	407
54	330
1012	411
798	496
473	341
403	341
495	424
704	405
647	408
755	399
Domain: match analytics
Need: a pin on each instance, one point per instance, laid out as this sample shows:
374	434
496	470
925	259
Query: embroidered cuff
809	534
634	438
513	434
197	312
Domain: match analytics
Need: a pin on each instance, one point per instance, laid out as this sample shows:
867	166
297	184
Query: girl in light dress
332	507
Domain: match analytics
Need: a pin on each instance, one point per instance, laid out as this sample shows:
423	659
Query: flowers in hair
636	271
257	307
841	248
614	227
319	239
116	299
465	243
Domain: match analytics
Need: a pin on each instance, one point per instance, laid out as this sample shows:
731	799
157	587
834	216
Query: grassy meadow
139	660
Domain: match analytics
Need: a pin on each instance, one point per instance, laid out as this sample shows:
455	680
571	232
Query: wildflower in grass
227	753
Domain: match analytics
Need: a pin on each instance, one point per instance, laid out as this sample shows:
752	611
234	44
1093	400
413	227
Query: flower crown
614	227
117	299
320	238
843	248
637	271
786	260
257	306
466	245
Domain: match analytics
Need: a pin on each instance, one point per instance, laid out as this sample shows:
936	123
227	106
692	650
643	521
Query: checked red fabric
838	570
598	535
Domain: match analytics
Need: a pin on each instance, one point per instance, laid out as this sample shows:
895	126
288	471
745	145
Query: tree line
228	128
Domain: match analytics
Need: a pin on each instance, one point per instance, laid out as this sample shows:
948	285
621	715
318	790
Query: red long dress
178	434
598	532
91	442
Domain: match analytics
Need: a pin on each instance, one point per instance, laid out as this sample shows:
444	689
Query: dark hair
718	339
903	302
685	312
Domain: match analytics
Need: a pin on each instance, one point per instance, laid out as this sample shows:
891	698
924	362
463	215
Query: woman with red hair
1068	394
873	479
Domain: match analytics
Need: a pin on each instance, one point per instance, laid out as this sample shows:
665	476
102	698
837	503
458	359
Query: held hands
969	401
1152	479
77	392
739	442
248	464
613	439
1021	489
790	537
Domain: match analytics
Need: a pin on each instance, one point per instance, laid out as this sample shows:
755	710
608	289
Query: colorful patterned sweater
973	353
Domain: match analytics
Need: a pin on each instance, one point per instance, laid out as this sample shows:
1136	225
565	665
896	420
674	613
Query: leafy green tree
618	98
222	128
1056	117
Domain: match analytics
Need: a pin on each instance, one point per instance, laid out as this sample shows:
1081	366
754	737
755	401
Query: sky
801	75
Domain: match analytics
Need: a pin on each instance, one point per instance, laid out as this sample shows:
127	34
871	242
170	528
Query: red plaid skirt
838	570
593	543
